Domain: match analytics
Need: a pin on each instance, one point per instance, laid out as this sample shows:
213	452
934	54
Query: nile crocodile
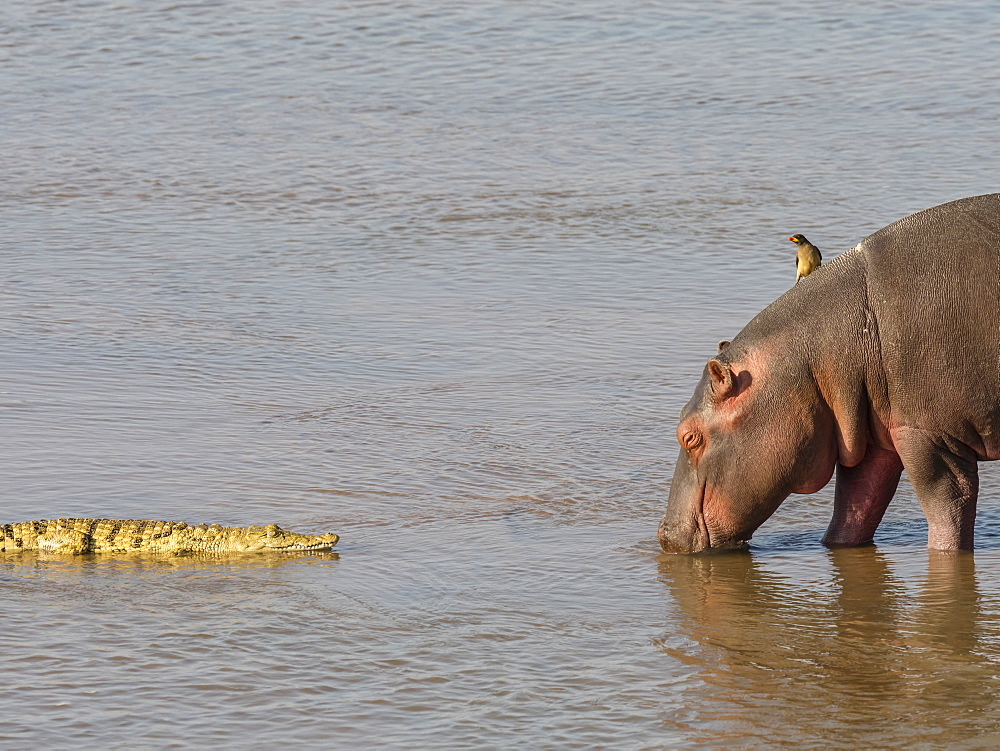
139	536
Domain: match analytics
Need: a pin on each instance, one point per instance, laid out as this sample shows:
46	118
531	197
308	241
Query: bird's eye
691	440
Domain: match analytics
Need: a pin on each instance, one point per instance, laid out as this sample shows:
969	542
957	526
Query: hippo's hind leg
861	497
946	481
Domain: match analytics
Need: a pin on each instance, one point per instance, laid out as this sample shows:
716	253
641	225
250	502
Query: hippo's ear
722	345
723	383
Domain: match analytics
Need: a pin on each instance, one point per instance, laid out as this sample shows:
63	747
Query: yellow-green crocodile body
140	536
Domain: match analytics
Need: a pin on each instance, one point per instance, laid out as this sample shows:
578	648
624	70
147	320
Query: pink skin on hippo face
887	358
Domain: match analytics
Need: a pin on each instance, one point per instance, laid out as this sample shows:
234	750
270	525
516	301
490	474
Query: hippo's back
934	288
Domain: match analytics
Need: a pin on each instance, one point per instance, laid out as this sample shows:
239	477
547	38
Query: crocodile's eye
272	530
691	440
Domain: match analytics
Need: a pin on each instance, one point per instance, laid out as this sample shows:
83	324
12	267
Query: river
439	277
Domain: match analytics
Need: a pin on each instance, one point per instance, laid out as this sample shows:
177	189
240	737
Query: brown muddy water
439	277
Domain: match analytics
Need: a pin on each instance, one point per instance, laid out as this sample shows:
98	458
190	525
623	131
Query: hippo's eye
691	440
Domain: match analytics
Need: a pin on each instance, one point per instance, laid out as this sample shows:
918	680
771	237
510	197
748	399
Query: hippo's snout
689	539
682	529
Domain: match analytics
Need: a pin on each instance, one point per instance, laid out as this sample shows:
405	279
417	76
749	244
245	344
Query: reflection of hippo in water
780	648
888	357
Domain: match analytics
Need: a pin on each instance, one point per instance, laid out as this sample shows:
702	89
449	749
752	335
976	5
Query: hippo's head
755	430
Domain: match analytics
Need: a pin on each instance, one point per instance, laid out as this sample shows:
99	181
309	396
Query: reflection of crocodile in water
139	536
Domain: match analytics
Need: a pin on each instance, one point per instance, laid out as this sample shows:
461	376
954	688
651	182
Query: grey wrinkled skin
884	359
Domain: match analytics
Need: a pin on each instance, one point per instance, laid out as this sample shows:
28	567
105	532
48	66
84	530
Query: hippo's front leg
946	484
861	497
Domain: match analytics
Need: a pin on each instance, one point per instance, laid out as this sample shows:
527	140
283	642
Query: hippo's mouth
696	519
695	533
686	532
719	541
727	545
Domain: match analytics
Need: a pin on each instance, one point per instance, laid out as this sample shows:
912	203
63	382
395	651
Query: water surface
439	278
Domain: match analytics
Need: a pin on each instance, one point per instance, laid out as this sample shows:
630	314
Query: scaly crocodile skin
141	536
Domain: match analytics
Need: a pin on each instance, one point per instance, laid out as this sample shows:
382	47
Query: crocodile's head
273	537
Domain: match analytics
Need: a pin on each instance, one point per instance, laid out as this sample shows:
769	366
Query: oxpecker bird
807	259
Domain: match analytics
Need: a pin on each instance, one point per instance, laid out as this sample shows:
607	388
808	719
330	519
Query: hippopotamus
887	358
